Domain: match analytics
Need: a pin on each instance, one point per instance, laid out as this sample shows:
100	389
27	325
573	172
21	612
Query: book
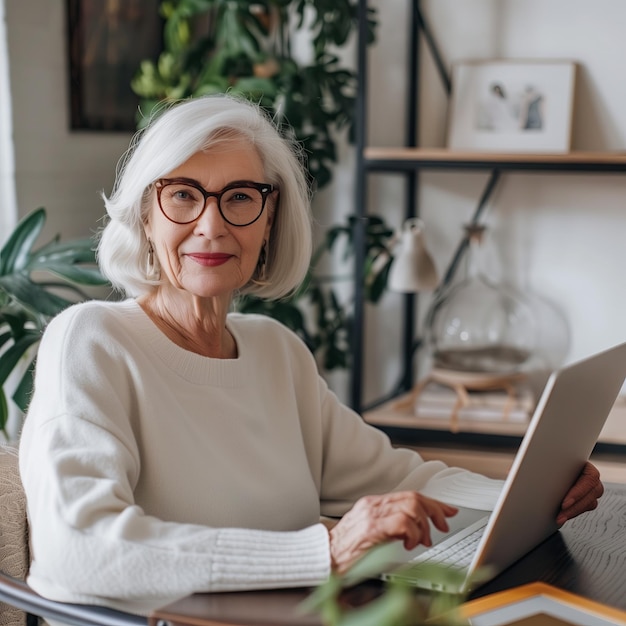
539	604
438	401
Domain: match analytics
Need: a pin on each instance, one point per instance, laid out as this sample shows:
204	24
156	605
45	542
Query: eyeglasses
183	201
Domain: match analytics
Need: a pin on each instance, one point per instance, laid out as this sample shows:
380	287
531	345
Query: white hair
174	136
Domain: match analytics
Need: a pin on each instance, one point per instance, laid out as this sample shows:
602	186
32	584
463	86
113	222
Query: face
210	257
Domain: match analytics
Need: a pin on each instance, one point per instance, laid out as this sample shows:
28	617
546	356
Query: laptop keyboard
455	551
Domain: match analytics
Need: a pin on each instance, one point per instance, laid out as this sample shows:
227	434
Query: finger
580	507
583	499
588	482
411	526
587	503
438	512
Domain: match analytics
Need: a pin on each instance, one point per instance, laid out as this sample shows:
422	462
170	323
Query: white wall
61	170
561	234
558	235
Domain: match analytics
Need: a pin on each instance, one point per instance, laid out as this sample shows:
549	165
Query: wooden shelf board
445	155
386	415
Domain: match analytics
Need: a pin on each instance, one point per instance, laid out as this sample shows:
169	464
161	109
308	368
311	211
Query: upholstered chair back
14	554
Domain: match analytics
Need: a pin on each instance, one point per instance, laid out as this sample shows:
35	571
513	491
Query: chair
19	604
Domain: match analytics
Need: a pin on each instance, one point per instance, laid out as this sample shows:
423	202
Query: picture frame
106	43
512	106
539	604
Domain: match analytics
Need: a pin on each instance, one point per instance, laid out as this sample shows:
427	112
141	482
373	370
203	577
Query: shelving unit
408	161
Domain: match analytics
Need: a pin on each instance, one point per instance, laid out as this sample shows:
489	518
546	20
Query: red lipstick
213	259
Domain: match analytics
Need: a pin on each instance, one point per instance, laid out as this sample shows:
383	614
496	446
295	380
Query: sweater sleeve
91	543
378	467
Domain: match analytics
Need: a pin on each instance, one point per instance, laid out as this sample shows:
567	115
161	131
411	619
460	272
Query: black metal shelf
409	161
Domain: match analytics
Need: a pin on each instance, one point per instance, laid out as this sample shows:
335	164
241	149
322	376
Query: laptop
560	437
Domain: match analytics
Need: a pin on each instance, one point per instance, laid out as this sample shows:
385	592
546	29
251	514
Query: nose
211	224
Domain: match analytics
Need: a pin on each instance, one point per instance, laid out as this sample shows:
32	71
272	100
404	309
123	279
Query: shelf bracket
434	49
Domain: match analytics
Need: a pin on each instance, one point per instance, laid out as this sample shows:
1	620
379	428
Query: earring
153	272
261	267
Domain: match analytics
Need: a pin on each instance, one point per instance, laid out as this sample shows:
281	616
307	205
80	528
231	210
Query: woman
171	447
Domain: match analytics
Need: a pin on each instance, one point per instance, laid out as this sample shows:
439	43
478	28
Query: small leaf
374	562
24	390
15	253
4	412
33	297
322	594
393	608
11	357
76	274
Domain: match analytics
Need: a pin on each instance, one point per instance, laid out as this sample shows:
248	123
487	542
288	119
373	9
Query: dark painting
108	39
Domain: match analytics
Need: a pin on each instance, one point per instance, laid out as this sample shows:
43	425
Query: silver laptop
560	437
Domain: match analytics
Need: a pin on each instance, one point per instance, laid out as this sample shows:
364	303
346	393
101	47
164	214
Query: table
587	557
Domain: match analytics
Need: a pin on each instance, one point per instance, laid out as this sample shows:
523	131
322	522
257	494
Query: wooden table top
587	557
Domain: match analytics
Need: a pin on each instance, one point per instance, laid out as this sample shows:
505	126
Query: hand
373	520
583	496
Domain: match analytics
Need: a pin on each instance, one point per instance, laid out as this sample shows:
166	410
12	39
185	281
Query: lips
212	259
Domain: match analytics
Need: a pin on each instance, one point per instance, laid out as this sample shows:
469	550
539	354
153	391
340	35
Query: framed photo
539	604
512	106
108	39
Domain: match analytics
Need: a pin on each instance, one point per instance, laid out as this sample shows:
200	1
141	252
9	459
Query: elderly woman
173	447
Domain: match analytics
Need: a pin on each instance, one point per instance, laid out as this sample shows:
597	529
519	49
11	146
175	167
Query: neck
193	323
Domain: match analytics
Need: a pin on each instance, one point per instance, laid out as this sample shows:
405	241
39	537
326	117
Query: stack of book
439	401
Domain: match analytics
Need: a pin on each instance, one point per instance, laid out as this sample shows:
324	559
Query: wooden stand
462	383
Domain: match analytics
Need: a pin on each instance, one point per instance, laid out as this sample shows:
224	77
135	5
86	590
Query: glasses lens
181	203
241	205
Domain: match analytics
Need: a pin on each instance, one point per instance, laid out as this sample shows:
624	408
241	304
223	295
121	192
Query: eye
240	195
182	194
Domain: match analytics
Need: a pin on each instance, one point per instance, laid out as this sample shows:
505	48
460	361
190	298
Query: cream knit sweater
152	472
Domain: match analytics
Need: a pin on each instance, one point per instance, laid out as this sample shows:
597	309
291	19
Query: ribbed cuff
266	559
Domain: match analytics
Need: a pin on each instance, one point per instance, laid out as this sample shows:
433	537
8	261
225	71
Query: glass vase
478	325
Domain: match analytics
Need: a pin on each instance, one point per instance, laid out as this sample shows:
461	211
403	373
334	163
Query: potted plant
35	285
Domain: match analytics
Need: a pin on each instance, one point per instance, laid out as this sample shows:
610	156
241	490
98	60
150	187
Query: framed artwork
539	604
108	39
512	106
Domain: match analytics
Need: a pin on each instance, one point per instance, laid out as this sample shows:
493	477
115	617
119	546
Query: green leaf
5	338
17	319
15	253
10	358
76	274
4	412
394	608
75	251
322	594
372	563
23	392
32	296
252	86
376	288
